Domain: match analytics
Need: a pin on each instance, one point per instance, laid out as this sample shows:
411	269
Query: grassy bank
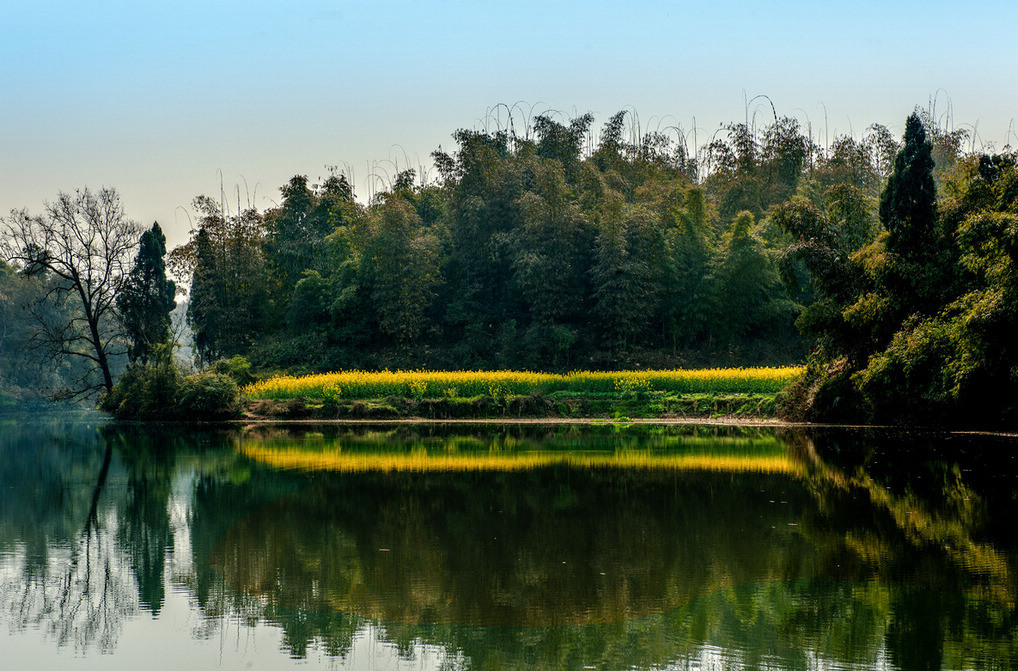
740	392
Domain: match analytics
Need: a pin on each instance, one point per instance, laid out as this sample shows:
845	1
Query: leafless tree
84	242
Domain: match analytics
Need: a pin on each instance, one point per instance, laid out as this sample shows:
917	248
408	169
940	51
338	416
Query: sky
166	101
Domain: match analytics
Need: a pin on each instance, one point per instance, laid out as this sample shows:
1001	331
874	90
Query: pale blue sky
159	100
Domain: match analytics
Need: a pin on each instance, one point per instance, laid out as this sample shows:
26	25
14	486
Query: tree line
527	252
880	261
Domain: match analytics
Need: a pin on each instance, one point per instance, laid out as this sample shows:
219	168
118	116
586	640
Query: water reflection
544	547
446	448
518	547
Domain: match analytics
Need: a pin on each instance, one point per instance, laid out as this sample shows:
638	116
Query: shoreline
598	421
592	421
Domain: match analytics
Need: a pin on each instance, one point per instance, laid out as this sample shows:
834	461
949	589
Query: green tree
688	309
293	235
749	299
623	276
908	214
562	143
296	230
206	298
783	154
146	299
486	181
230	281
552	241
736	180
402	264
27	372
882	148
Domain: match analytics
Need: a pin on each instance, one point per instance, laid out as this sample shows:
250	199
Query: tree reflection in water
622	548
63	572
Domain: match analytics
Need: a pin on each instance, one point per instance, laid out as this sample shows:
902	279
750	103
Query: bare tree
84	242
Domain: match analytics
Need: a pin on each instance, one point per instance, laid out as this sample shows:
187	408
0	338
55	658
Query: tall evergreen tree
908	213
146	299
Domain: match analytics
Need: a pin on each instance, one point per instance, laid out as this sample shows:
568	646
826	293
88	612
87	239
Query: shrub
826	391
144	392
911	379
159	391
237	367
208	395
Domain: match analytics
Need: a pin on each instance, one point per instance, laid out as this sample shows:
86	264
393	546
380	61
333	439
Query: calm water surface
504	547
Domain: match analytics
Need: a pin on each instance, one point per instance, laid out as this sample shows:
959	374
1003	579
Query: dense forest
527	252
888	265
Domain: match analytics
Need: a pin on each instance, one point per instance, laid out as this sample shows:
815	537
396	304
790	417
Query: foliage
552	247
203	308
297	229
207	395
917	325
236	368
908	214
622	275
146	390
748	288
157	390
230	285
538	250
400	265
147	297
27	372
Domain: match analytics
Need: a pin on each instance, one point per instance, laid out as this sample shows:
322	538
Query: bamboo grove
540	250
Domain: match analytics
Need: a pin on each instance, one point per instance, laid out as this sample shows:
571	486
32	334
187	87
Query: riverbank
442	395
557	405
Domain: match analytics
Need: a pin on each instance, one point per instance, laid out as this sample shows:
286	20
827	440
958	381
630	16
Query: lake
520	546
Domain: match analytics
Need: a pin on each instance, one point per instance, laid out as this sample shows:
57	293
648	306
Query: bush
238	368
208	395
911	379
825	391
144	392
159	391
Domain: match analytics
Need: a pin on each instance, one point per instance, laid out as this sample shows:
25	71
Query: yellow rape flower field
358	385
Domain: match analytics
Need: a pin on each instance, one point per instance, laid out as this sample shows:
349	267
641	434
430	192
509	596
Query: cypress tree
908	212
146	299
908	203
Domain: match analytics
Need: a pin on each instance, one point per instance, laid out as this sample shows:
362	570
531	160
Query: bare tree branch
84	241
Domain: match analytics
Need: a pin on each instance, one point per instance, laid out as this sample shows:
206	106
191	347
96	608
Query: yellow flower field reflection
365	453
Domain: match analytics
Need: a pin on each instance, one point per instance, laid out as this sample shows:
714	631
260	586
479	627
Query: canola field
358	385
